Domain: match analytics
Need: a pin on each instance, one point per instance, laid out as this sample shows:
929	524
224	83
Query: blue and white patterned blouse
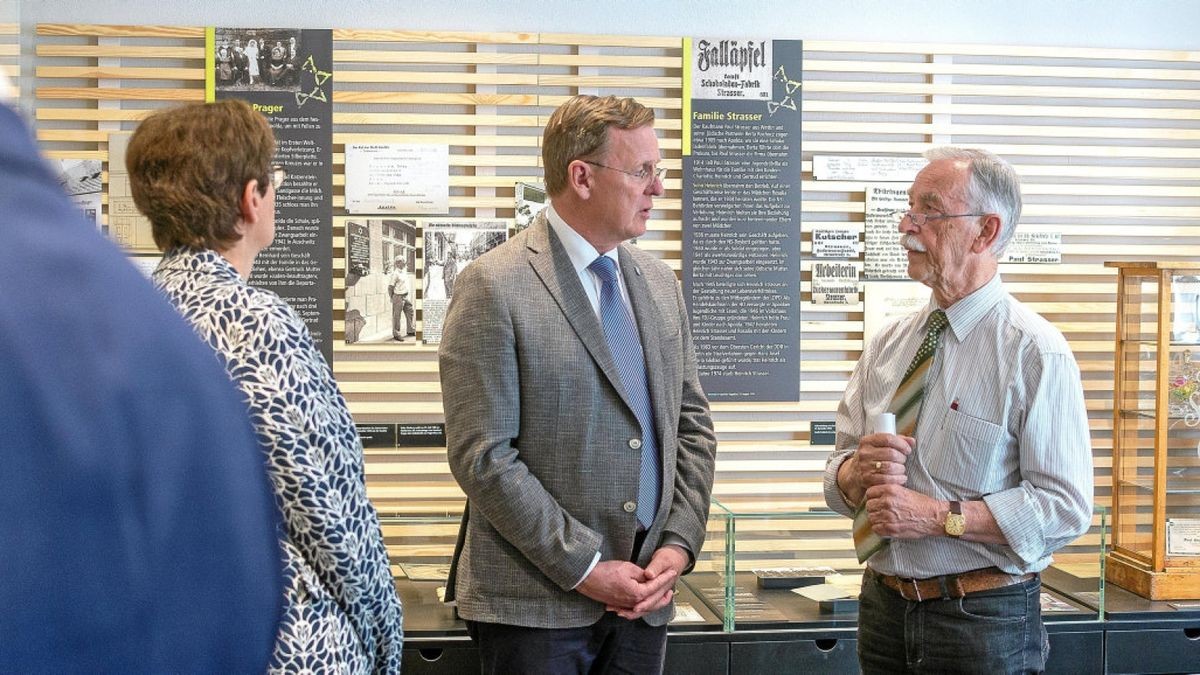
341	610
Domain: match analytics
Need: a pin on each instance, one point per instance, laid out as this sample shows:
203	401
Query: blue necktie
626	349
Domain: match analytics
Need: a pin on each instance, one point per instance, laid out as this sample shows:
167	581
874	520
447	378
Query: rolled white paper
885	423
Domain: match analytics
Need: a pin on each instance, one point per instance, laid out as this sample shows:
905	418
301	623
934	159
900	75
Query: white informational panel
732	69
829	241
1034	248
126	225
835	283
449	245
885	258
398	178
1183	536
871	169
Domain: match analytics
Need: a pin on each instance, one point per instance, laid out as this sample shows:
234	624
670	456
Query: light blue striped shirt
1003	420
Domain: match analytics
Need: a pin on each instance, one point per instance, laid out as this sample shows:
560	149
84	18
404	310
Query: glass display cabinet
760	568
796	570
1156	431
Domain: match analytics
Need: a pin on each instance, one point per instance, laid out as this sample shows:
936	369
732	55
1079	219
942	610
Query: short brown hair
579	128
188	166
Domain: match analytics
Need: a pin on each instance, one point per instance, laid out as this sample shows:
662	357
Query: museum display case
769	569
1156	431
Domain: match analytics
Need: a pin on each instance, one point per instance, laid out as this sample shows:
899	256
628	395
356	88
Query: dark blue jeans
989	632
611	645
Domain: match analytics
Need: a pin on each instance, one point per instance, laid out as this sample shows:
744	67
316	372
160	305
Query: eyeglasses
919	219
641	174
278	175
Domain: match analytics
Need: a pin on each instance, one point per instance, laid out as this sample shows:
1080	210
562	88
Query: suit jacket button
635	443
629	507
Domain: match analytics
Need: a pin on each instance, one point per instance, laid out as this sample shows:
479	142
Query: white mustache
911	243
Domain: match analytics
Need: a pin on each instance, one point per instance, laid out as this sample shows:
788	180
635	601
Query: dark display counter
781	631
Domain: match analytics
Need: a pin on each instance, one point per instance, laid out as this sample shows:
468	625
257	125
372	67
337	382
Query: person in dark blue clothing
138	531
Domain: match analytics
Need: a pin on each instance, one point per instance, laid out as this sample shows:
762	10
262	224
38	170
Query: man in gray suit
575	420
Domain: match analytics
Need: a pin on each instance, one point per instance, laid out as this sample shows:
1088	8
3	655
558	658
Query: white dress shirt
1003	420
582	253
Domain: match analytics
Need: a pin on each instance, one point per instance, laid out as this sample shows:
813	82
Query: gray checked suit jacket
538	430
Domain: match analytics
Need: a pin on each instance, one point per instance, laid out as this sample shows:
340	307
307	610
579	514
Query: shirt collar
965	314
579	250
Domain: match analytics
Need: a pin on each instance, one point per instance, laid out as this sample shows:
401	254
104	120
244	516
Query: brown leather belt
950	585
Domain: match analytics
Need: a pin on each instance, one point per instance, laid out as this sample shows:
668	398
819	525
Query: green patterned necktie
906	403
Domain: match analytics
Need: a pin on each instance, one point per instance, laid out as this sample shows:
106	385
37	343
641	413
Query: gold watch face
956	524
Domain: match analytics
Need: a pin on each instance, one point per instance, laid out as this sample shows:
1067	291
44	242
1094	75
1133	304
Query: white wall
1144	24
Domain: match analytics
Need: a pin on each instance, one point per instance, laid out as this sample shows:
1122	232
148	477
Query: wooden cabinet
1156	431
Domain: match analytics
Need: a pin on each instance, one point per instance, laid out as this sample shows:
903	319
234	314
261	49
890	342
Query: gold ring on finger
878	465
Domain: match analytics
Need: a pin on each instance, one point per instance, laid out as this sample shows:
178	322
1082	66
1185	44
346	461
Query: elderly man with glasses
989	468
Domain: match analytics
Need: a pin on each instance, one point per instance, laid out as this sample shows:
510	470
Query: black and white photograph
449	246
81	180
381	287
257	59
531	199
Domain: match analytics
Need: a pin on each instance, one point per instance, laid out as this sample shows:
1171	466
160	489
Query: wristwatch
956	522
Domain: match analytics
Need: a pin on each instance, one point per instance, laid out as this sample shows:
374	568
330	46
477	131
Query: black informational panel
377	435
741	216
822	433
286	74
420	435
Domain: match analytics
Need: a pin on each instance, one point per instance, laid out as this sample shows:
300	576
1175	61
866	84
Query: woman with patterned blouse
202	174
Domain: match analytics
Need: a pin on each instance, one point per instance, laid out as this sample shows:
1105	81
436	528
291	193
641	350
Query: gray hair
993	187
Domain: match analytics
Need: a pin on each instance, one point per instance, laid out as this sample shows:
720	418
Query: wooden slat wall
488	96
1107	141
10	48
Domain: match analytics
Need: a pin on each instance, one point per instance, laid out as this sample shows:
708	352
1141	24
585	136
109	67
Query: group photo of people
250	59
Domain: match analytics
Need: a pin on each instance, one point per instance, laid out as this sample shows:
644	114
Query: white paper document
890	169
398	178
822	592
885	258
1037	248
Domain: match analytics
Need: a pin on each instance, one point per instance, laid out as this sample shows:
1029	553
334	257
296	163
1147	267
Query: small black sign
822	433
377	435
420	435
358	249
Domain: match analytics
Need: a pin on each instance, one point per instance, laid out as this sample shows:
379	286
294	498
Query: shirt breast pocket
973	455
